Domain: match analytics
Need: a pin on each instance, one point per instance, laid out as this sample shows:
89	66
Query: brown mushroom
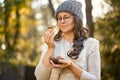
56	59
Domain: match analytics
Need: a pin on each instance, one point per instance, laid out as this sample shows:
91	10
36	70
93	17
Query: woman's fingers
64	64
49	36
52	64
52	37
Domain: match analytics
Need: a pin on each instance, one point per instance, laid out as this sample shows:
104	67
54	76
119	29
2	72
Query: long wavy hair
80	34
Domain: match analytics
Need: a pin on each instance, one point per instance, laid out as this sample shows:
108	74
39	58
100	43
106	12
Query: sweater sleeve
41	72
94	70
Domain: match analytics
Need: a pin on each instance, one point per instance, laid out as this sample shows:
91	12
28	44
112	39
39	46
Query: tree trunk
17	27
89	17
6	30
51	7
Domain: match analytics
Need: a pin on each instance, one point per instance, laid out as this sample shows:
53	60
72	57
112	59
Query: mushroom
56	59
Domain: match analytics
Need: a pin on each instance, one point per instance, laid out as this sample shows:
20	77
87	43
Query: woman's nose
62	20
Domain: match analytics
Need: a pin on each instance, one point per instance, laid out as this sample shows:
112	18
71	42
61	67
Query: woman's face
65	22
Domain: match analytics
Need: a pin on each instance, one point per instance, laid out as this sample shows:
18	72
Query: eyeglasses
65	19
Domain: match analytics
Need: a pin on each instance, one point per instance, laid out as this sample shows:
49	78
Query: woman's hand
64	63
49	38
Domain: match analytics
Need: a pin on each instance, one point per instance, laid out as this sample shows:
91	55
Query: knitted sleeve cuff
42	73
87	76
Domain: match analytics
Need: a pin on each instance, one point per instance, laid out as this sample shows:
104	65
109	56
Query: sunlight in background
1	1
97	11
99	8
34	5
38	15
44	2
3	46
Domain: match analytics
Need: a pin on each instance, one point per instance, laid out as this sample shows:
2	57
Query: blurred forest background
23	22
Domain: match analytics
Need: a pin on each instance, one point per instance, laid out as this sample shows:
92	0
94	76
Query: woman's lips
63	26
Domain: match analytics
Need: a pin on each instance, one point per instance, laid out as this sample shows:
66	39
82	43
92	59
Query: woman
80	53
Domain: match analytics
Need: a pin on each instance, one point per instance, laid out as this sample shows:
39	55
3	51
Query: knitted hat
71	6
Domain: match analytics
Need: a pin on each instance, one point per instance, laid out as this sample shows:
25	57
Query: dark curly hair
80	34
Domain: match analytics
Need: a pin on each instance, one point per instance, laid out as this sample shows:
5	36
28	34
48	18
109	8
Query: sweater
88	61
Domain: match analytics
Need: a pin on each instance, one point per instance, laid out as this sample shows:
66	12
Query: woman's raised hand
49	37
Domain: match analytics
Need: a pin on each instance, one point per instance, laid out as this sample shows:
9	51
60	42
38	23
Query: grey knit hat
71	6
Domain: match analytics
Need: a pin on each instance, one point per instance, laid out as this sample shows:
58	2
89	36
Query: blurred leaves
108	30
19	34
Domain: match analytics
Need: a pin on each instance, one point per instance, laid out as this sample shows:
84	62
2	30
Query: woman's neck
69	37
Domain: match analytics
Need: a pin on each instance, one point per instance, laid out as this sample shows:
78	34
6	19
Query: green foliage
20	41
108	30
